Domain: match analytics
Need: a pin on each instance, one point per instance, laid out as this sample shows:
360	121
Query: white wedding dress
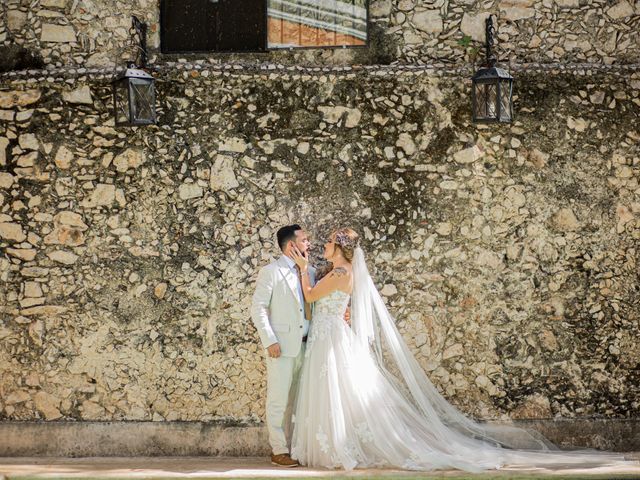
363	401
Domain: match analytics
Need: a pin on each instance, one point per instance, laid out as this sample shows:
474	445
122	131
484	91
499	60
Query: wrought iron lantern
134	90
492	87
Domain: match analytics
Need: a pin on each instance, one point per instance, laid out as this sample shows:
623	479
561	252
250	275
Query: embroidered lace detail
333	304
362	430
323	440
412	463
328	314
296	453
351	457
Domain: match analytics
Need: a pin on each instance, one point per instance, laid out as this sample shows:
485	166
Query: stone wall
508	254
89	33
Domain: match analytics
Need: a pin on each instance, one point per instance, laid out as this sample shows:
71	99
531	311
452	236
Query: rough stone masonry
89	33
508	254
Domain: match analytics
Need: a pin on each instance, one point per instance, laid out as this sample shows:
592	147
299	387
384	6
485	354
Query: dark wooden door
213	26
241	26
188	25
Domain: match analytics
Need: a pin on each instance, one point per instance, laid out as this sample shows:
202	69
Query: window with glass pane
316	23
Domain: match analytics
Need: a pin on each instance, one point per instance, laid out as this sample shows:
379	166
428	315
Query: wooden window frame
265	39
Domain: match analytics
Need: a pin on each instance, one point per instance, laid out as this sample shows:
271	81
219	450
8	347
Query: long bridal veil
375	333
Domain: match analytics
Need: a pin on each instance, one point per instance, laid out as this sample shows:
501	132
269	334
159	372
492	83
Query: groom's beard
305	255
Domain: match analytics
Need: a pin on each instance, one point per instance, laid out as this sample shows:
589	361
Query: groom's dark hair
287	233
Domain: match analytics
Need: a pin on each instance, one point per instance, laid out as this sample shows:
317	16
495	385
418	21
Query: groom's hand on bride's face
274	350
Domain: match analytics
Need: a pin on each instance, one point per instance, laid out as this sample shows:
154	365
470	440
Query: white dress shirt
292	265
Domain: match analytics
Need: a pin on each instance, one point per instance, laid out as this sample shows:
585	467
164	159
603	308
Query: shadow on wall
15	57
382	48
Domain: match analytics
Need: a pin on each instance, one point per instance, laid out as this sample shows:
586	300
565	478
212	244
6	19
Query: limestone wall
92	33
508	254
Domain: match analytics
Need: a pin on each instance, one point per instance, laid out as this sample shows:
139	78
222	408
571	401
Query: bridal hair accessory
345	241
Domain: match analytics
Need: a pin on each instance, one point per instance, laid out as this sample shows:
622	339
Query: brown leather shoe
283	460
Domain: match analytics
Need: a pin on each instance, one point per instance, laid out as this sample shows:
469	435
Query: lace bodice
328	314
333	304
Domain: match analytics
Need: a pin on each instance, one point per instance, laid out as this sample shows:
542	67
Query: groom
281	316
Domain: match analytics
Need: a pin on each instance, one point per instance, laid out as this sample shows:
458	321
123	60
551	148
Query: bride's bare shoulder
344	279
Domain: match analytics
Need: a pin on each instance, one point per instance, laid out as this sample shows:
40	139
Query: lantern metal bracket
133	89
140	28
490	31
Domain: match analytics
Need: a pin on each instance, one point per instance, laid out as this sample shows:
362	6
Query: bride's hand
300	259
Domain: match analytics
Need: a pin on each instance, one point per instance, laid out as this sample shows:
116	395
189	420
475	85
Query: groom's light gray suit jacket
276	309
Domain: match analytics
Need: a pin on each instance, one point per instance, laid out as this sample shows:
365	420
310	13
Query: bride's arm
337	279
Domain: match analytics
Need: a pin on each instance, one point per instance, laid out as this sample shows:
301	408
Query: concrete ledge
151	439
135	439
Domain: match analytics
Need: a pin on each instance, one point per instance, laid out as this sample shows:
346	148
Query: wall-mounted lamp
134	92
492	87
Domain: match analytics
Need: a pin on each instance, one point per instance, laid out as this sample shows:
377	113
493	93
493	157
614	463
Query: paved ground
252	467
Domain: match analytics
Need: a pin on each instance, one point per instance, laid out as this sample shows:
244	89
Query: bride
364	401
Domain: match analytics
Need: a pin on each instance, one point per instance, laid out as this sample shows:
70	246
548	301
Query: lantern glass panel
505	101
142	101
121	99
486	101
